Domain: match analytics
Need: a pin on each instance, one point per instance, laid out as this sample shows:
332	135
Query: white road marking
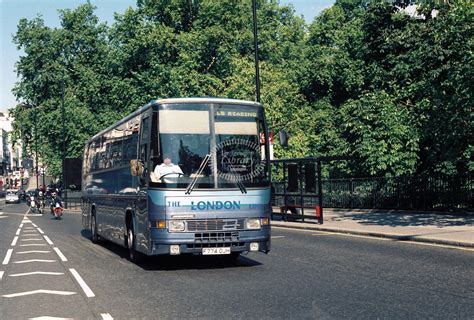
1	274
32	245
34	225
301	230
106	316
60	254
34	260
35	215
40	231
15	239
17	231
35	272
82	283
31	239
324	234
19	294
50	318
277	237
3	217
48	240
438	245
33	251
7	256
1	213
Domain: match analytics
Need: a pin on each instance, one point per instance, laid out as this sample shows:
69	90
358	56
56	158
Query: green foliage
363	80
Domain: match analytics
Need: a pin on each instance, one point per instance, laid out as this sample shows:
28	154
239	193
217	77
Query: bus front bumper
197	243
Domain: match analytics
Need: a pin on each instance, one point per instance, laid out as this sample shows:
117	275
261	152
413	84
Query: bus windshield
217	146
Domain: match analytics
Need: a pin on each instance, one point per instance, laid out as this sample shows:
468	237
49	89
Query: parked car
12	196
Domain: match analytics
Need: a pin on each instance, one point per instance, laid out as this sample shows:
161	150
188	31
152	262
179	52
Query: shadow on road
180	262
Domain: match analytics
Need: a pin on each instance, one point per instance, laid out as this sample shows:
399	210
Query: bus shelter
297	188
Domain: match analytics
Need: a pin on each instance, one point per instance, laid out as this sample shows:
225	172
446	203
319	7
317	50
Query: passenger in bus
167	168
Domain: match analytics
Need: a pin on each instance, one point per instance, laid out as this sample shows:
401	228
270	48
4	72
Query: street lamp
36	147
63	130
255	39
35	137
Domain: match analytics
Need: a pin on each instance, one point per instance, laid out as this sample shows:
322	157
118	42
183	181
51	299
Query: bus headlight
176	225
252	224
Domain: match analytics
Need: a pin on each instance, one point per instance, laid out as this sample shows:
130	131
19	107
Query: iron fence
409	192
72	203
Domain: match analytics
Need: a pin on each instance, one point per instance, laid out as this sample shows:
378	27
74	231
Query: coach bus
186	175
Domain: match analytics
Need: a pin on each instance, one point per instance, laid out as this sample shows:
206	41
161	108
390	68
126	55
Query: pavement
455	229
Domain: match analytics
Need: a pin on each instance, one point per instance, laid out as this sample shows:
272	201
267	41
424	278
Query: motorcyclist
54	200
41	198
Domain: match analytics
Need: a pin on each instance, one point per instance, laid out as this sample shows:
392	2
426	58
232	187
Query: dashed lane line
48	240
277	237
82	283
7	256
15	239
35	260
106	316
50	318
17	231
1	274
34	251
35	272
27	293
40	231
33	245
60	254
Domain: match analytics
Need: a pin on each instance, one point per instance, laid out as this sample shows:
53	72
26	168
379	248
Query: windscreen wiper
237	182
203	164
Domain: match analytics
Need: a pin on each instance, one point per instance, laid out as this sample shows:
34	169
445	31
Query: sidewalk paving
431	227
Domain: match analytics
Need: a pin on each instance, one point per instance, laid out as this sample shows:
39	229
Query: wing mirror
283	137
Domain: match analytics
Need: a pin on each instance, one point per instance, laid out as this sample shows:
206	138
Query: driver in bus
168	169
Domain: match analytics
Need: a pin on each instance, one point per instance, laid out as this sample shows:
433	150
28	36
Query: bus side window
143	149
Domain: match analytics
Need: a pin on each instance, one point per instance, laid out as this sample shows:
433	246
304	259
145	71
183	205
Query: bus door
141	209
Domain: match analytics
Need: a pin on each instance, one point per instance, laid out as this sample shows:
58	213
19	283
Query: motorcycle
58	211
34	205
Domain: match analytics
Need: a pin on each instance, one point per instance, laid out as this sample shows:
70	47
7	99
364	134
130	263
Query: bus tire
133	254
95	237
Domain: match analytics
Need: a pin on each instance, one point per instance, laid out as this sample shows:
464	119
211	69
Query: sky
11	11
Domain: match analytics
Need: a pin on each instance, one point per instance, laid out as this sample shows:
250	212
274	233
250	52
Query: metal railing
72	203
404	193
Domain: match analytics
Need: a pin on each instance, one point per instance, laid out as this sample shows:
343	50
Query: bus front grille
216	237
215	225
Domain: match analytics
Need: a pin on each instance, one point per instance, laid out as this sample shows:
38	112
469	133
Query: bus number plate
211	251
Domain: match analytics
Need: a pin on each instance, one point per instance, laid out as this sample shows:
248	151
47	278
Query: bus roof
205	100
176	101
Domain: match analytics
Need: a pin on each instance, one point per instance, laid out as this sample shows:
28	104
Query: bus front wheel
133	255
